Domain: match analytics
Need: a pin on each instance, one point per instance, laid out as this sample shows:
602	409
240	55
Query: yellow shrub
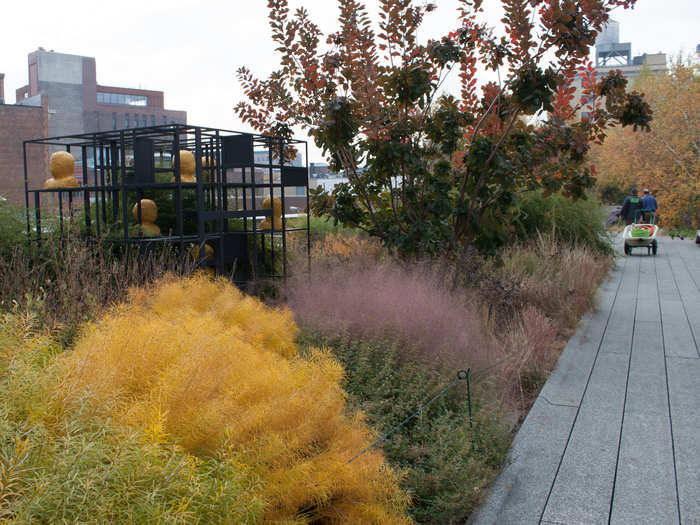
197	363
78	467
341	248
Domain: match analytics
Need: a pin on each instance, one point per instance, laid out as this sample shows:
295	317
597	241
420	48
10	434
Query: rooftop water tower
608	49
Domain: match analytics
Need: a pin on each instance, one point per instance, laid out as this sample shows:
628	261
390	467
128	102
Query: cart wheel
627	249
654	246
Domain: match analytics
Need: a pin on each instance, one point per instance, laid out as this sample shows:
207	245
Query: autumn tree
667	159
430	171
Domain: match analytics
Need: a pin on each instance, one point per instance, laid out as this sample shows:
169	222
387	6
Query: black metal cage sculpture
221	211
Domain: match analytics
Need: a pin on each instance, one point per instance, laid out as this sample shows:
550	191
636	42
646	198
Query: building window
114	120
153	120
165	120
122	99
126	120
144	121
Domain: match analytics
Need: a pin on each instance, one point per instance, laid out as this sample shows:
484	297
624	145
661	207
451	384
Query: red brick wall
21	93
19	123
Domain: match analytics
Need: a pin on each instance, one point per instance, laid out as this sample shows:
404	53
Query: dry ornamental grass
197	363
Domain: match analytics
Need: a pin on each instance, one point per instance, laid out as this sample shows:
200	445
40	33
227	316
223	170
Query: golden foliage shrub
80	467
340	248
197	363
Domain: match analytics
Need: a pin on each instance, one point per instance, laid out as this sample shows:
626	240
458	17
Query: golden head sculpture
61	166
149	214
187	167
276	206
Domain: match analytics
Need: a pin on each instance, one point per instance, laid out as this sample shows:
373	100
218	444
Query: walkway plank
613	436
618	333
687	287
646	452
582	495
519	494
684	386
678	337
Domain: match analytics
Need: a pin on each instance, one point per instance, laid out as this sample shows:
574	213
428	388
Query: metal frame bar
109	185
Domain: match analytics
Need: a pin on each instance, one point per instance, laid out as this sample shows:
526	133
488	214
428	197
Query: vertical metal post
60	213
37	217
97	185
86	193
178	190
200	195
70	196
125	201
284	214
255	223
270	174
115	181
469	397
245	199
308	214
139	219
26	184
219	177
70	206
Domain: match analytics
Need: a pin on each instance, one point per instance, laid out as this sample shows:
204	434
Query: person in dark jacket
630	207
649	206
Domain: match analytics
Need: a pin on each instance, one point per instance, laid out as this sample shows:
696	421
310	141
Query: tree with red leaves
429	171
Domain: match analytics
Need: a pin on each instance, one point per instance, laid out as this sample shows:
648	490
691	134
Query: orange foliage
198	363
665	160
338	247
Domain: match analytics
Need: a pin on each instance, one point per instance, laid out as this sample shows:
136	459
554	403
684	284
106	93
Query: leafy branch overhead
428	170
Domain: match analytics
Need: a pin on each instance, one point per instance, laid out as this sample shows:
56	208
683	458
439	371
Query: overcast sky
190	50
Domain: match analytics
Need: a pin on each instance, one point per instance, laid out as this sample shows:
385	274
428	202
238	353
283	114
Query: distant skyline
191	50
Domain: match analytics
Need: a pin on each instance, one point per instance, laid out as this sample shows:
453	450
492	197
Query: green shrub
13	227
559	279
612	194
447	463
321	226
578	222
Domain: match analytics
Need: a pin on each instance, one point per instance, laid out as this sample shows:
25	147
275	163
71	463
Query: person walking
649	206
630	207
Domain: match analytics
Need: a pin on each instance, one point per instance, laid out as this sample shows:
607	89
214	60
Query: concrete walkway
614	436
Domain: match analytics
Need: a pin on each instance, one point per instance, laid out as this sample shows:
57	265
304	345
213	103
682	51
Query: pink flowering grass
532	344
459	313
406	302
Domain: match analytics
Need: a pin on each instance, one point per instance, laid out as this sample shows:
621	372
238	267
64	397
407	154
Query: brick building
64	98
78	104
19	123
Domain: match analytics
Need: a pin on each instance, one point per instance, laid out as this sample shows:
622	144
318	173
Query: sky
191	49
